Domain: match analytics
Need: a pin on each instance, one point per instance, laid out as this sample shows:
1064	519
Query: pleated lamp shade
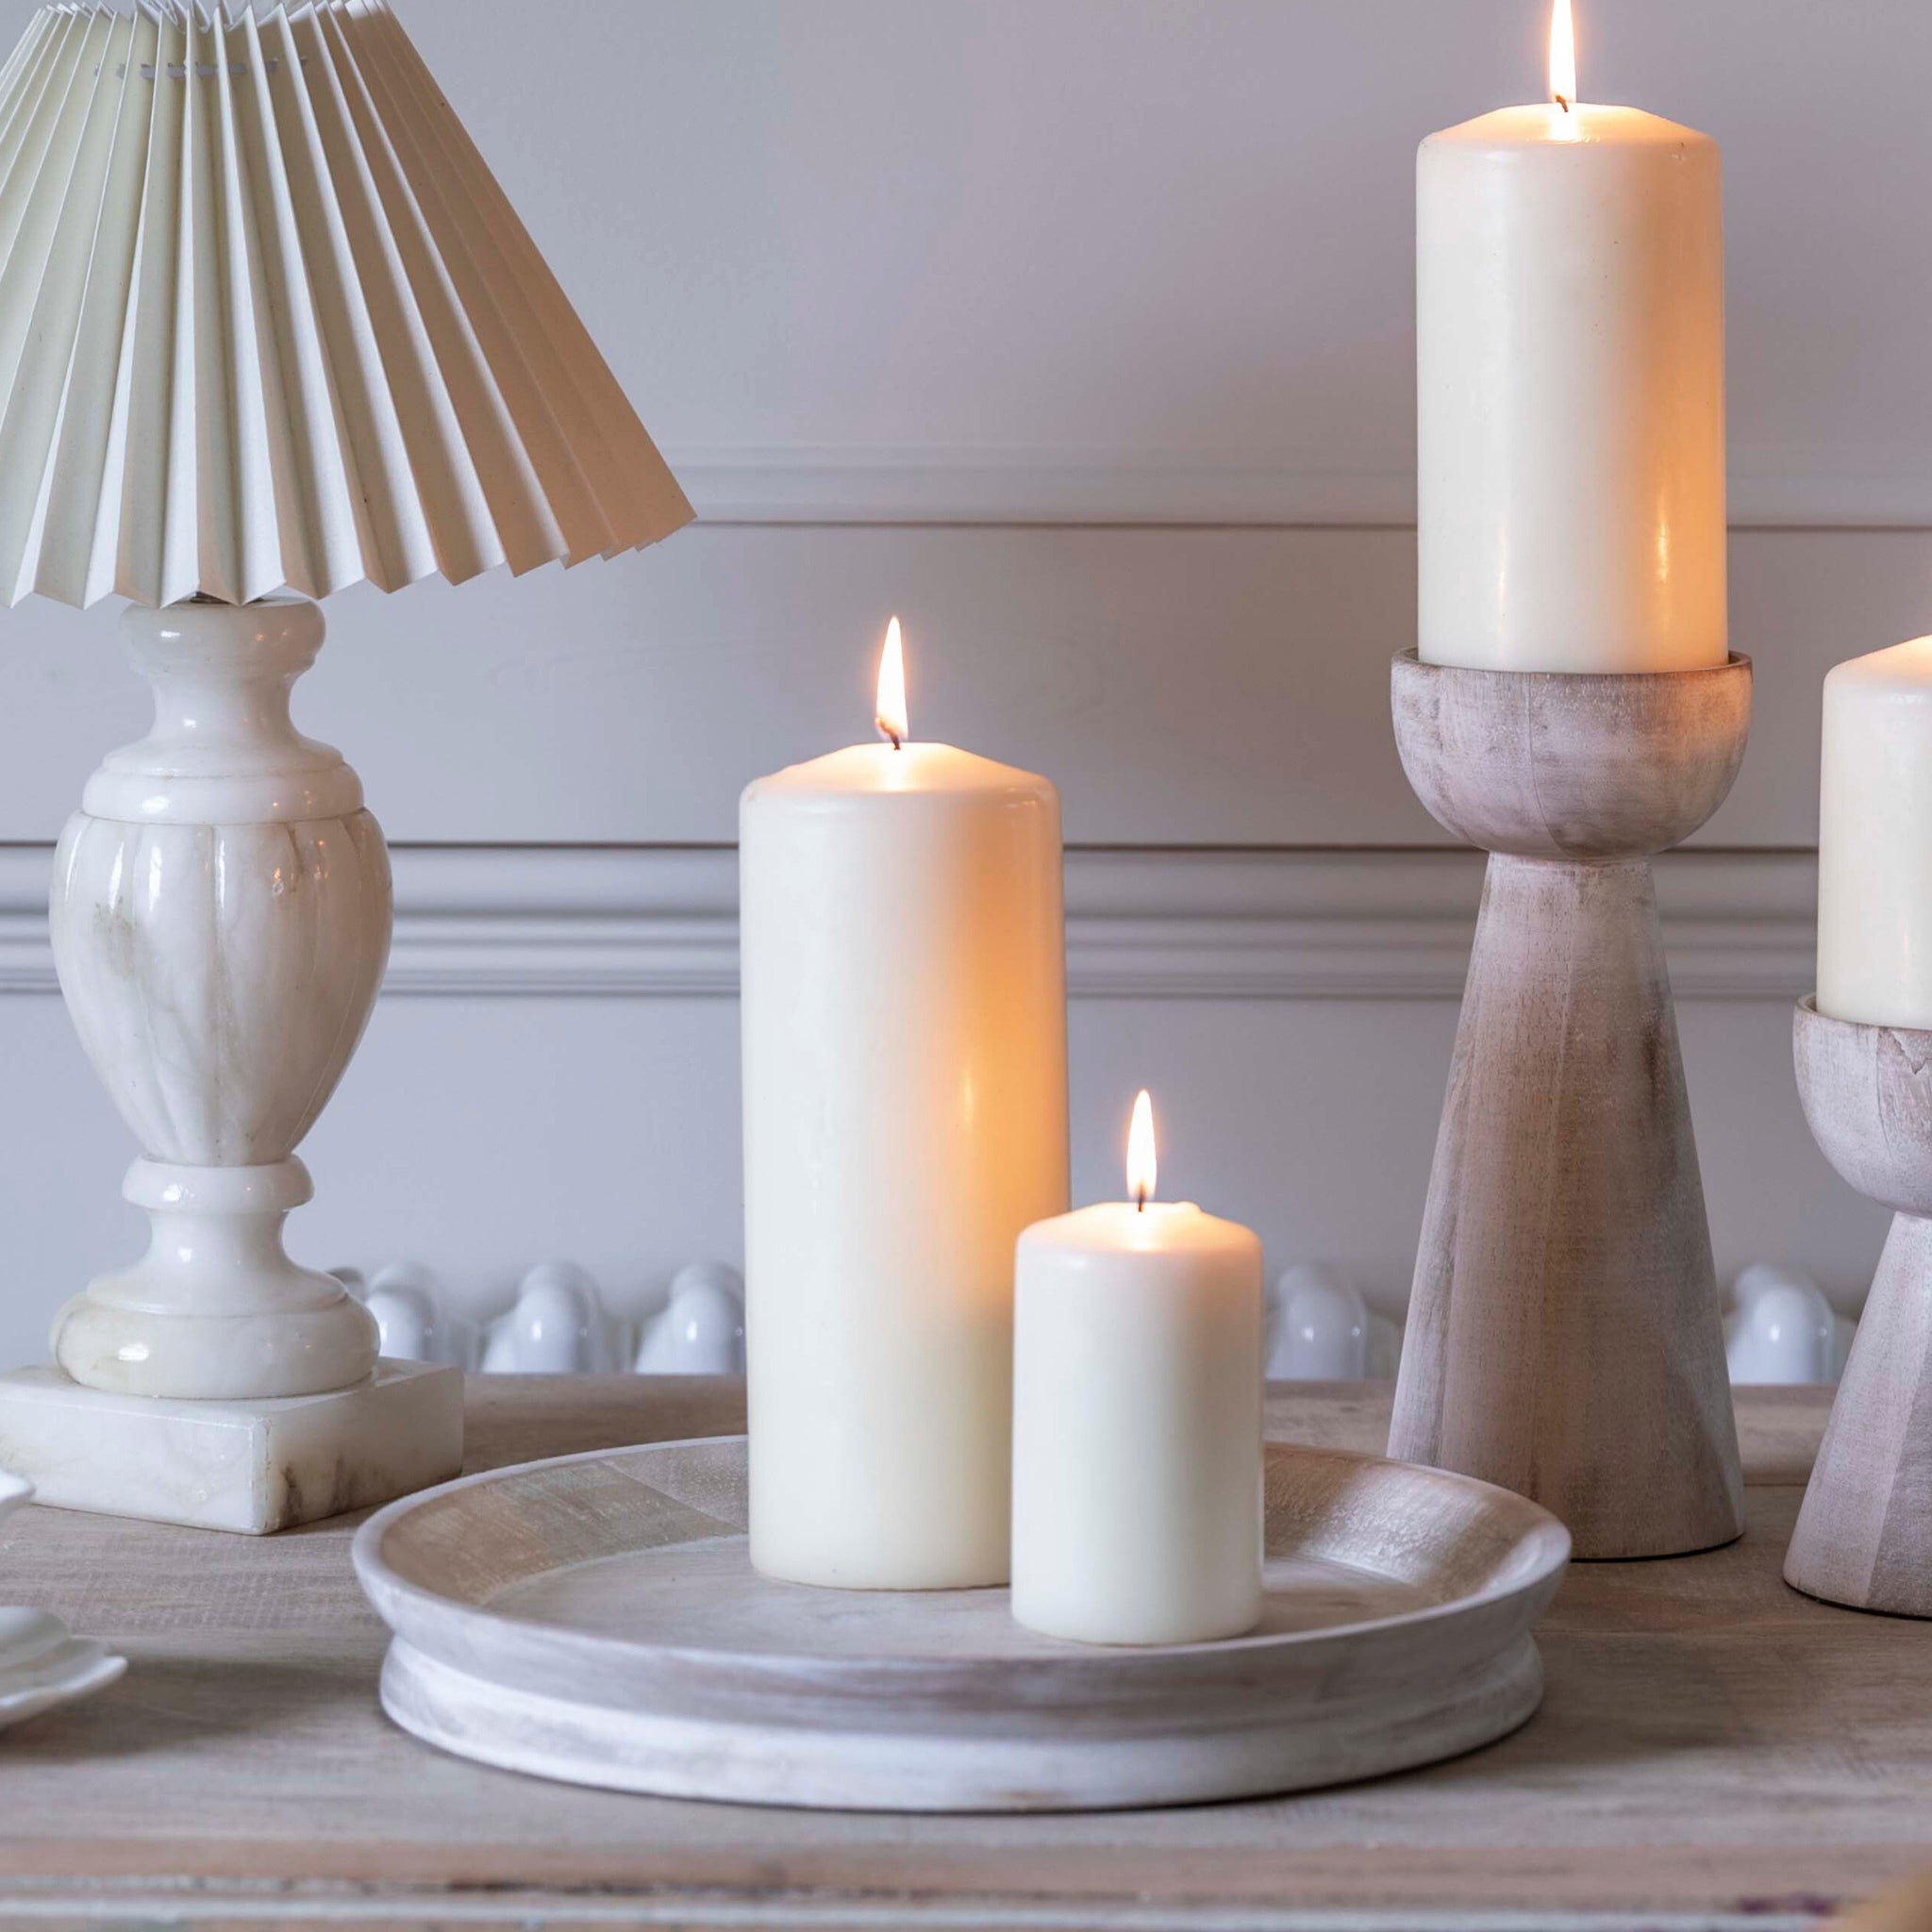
267	321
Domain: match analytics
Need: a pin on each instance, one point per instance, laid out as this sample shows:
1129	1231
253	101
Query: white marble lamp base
220	919
255	1466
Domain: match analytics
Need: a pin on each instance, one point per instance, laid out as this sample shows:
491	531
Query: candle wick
1140	1200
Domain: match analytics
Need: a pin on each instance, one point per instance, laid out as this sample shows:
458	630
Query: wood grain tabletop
1714	1750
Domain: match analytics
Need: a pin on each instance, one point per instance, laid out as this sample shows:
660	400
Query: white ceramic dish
594	1618
42	1662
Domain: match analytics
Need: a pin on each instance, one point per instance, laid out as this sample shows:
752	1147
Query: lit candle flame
1140	1162
1562	56
889	714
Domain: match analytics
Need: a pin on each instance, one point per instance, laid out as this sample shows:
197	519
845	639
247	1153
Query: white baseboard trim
1770	488
655	922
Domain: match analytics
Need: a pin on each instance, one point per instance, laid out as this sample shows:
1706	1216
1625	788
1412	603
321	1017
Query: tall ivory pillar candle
904	1020
1874	840
1137	1420
1570	389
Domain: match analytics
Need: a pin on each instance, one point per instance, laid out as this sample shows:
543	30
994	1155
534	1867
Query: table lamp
267	327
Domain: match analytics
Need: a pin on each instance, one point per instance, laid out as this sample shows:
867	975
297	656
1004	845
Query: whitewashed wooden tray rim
936	1701
377	1575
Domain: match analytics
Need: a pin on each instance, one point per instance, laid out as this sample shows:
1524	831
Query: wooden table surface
1714	1749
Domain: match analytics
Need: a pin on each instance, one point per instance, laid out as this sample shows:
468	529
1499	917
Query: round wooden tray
596	1619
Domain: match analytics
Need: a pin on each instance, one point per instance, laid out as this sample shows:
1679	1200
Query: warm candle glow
889	712
1562	56
1140	1162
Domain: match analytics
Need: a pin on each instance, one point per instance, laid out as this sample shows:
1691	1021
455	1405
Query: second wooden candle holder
1864	1534
1564	1332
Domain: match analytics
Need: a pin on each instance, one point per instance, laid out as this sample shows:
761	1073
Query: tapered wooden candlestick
1864	1534
1564	1333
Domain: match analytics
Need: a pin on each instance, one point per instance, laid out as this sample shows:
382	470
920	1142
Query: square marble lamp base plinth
252	1467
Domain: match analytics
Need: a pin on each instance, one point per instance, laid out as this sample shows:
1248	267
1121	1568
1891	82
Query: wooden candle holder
1864	1534
1564	1333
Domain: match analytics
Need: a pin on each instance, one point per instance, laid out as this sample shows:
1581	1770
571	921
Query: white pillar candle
1570	389
1137	1419
1874	840
904	991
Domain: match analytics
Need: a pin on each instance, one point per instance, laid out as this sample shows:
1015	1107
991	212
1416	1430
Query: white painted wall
1078	332
1097	237
1191	686
483	1134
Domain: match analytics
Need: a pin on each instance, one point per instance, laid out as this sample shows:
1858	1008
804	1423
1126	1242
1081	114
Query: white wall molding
1769	489
1146	924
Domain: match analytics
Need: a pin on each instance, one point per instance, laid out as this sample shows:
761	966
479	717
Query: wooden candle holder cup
1864	1534
1564	1333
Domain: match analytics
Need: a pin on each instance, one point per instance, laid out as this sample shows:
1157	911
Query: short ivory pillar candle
1137	1419
904	1117
1570	389
1874	840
